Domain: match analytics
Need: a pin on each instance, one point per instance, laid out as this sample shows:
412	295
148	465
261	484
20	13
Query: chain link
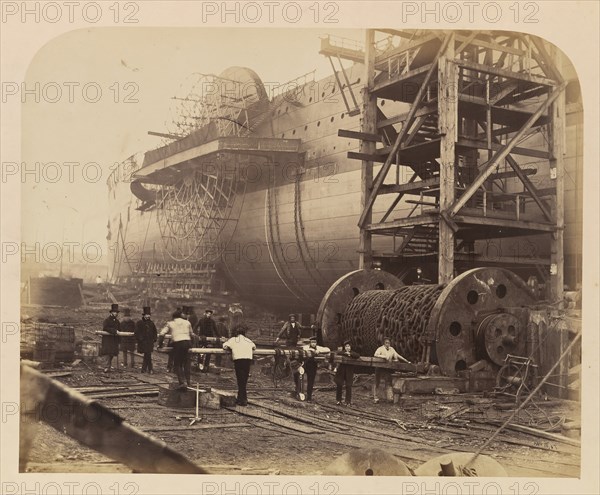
402	315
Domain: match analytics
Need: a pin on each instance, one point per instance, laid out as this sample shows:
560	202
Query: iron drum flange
342	292
461	308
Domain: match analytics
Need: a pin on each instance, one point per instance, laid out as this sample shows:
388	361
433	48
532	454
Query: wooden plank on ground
254	412
541	434
147	393
298	416
196	427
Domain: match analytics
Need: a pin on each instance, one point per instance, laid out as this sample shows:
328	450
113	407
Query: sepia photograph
310	249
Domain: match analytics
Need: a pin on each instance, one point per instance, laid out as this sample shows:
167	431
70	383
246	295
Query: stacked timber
47	342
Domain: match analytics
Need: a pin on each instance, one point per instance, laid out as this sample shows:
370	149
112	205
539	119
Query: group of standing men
145	335
305	363
183	335
186	328
344	372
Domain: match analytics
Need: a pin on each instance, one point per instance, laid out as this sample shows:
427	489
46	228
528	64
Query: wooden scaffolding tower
473	98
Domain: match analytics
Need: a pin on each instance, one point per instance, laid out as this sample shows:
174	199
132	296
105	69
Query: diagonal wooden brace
526	182
548	65
407	124
451	223
502	154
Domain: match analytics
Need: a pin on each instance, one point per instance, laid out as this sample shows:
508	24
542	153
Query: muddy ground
425	426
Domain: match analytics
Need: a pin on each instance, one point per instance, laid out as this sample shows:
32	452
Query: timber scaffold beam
473	104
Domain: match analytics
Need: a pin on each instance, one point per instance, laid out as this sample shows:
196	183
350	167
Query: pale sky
149	65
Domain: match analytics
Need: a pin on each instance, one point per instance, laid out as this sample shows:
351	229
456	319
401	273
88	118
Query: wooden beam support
388	162
365	157
427	109
503	93
510	175
398	198
448	129
545	60
496	146
368	126
501	155
407	238
502	260
508	74
410	187
524	95
556	140
385	83
416	42
527	183
364	136
472	40
506	223
425	219
466	41
419	121
496	132
422	203
502	115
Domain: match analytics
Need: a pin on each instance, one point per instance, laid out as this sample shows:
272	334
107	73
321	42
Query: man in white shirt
386	351
181	337
241	348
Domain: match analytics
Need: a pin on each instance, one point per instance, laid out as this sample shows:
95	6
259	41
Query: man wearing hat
345	374
310	351
127	344
110	343
207	327
146	334
290	332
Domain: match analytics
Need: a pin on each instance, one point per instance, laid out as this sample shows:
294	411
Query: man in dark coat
146	334
290	332
206	327
127	344
110	343
345	374
222	332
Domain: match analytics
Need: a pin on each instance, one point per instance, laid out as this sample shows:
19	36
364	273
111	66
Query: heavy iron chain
402	315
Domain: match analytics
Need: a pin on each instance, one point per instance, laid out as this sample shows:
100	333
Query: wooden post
557	149
448	128
369	125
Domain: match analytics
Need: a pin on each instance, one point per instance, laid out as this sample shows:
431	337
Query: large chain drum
479	315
